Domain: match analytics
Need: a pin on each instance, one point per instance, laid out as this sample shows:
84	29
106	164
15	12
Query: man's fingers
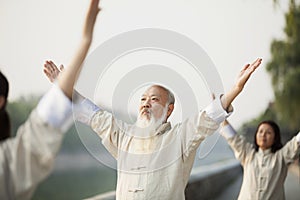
46	72
251	68
46	68
255	65
61	67
257	62
245	67
254	62
48	75
53	66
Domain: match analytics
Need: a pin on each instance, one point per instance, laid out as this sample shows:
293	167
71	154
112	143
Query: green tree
284	68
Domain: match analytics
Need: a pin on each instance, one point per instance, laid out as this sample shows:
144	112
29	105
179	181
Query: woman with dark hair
266	163
27	159
276	144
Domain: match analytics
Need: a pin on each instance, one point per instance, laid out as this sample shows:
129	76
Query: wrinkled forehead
156	91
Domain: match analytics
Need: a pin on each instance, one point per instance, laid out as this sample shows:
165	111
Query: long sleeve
291	149
84	109
241	148
103	123
28	158
197	128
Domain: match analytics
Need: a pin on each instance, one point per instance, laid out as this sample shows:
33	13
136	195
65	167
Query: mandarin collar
163	128
264	152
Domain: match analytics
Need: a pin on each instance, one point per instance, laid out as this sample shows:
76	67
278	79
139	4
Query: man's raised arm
68	77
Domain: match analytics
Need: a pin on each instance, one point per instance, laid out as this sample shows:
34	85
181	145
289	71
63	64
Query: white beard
151	124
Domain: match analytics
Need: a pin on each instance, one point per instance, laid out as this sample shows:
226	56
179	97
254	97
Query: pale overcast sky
232	32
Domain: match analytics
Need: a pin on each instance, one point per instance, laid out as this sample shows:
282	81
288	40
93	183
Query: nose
146	104
263	134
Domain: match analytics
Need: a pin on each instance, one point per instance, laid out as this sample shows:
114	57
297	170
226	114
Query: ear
2	102
170	109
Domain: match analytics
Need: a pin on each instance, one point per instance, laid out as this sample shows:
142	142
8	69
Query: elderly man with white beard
154	159
152	113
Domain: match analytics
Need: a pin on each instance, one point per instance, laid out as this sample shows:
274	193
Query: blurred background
232	32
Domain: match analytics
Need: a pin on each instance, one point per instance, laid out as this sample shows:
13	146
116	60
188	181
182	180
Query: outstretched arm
219	110
68	77
242	79
241	148
29	157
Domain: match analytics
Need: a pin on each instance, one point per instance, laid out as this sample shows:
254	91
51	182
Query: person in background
27	158
265	163
4	116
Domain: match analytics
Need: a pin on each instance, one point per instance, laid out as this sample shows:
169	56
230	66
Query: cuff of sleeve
84	109
227	131
56	109
298	137
216	112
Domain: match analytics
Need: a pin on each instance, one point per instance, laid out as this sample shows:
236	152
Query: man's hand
245	74
52	71
242	79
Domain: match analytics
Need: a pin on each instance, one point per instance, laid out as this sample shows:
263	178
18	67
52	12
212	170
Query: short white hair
171	98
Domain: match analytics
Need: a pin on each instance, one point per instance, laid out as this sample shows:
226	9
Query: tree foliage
284	68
